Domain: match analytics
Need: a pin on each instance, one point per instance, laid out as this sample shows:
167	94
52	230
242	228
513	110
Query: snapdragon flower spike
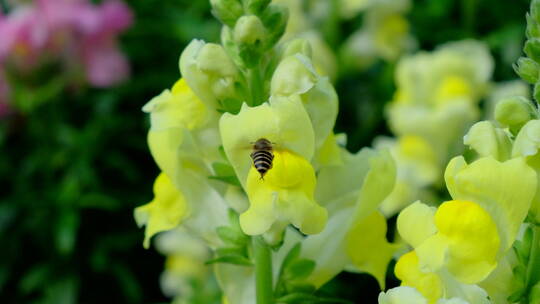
286	192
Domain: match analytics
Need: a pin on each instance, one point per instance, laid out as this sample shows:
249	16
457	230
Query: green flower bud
298	45
533	28
274	19
536	91
249	30
527	69
514	112
227	11
256	7
535	10
532	49
213	59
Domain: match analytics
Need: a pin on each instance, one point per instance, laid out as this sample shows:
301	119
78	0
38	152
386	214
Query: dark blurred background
72	169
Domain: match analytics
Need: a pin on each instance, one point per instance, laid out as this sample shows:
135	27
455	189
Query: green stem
263	270
533	268
255	86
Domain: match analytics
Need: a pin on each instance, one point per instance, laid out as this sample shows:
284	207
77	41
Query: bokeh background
74	160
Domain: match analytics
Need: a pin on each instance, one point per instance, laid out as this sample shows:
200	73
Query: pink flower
105	64
23	33
82	38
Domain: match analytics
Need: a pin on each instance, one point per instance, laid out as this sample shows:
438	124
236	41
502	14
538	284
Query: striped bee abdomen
262	161
262	156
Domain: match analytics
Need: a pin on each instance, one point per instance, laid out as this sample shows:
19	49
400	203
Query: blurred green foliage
74	167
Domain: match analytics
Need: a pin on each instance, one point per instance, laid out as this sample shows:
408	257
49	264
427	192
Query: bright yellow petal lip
164	212
285	194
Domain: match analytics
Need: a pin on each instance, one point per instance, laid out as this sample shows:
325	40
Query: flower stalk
263	270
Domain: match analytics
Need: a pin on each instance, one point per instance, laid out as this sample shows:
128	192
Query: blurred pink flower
74	32
23	33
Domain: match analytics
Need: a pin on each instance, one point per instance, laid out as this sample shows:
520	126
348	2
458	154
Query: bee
262	156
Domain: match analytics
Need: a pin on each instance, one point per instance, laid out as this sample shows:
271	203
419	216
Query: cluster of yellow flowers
272	80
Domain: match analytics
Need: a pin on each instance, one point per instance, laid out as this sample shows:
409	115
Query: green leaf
301	287
225	173
231	259
300	269
232	105
227	251
232	236
291	256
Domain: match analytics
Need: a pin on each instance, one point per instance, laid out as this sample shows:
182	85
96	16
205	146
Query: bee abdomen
262	161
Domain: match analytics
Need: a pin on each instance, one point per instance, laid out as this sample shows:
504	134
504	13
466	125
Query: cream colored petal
416	223
487	140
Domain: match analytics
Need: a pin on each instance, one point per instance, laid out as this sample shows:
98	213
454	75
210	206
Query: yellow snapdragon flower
286	192
460	243
437	94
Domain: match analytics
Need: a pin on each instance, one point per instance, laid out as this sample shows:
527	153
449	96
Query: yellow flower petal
285	193
472	238
164	212
177	108
416	223
515	185
329	153
368	248
408	271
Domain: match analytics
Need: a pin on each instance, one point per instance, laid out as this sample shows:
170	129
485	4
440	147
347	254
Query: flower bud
533	29
532	49
527	69
275	20
256	7
213	59
299	45
535	10
249	30
514	112
227	11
